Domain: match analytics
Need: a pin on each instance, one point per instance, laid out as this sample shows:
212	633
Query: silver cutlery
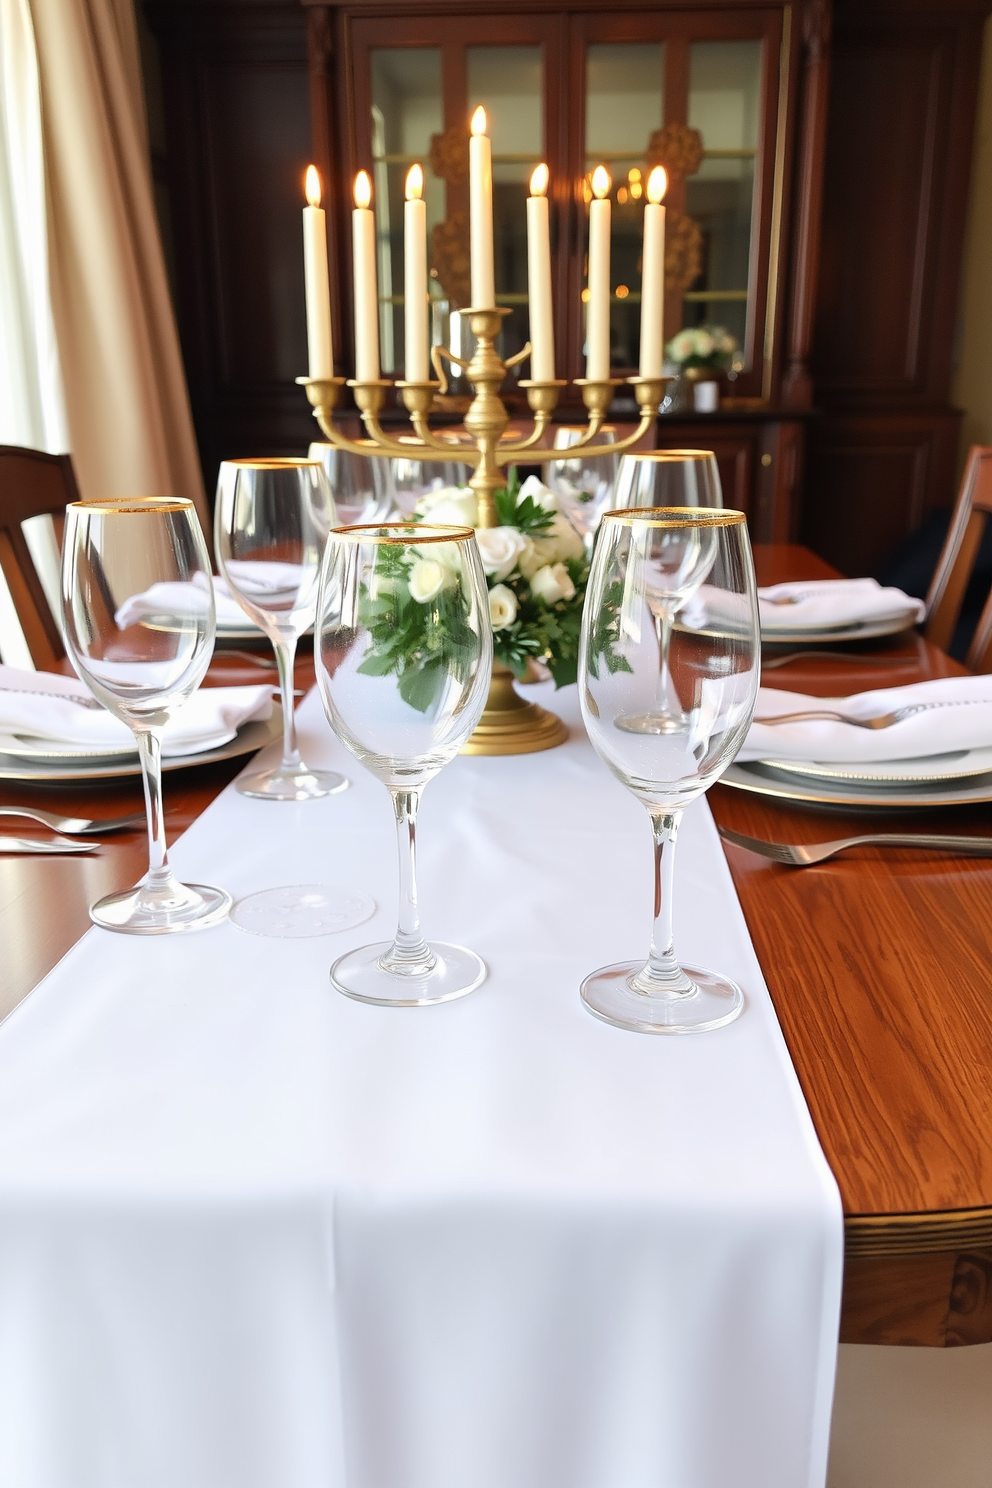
802	855
852	659
78	826
879	721
58	845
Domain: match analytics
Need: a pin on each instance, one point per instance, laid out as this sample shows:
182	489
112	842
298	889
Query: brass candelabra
509	725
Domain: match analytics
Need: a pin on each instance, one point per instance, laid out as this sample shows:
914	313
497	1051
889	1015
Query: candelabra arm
521	356
323	394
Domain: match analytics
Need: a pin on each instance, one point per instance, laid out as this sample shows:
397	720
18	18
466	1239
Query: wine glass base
300	911
608	995
301	784
186	907
653	723
456	973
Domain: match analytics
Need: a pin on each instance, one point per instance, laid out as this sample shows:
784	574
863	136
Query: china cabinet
818	158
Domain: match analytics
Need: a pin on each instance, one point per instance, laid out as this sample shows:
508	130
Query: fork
801	855
58	845
248	656
77	826
851	657
880	720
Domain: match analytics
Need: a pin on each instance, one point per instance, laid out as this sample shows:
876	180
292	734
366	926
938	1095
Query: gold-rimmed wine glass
141	672
271	521
668	744
404	658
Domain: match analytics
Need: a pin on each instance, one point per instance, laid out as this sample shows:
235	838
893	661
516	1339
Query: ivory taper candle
542	333
653	277
598	307
415	277
316	281
366	289
480	201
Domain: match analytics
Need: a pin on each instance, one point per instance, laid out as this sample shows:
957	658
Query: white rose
552	583
704	344
427	579
567	542
681	346
535	553
456	506
502	606
535	488
499	547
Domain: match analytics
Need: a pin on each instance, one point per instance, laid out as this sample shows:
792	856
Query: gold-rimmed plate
25	768
763	779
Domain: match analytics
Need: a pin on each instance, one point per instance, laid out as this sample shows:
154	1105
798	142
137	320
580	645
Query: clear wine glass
676	477
414	478
699	725
270	525
584	484
362	485
668	479
112	553
404	658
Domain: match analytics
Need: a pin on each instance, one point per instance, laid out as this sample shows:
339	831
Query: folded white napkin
45	707
831	602
176	598
949	714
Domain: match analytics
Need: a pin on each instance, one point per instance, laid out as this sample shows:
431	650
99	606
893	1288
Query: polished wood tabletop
879	964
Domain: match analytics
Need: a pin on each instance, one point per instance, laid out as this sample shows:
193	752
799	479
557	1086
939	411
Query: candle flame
415	183
363	190
479	123
601	182
312	187
539	180
657	184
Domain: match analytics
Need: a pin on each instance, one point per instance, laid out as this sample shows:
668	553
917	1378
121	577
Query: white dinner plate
250	736
958	764
56	752
822	635
764	780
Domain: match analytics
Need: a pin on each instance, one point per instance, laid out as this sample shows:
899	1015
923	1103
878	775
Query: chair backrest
32	484
957	561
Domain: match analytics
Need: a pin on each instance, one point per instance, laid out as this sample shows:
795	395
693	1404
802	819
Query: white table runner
256	1235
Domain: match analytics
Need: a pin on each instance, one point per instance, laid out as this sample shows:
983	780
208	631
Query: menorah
509	724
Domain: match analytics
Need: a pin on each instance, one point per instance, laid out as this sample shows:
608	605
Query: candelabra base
511	725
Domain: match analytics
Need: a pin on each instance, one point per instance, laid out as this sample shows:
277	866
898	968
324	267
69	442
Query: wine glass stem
409	952
150	754
667	700
662	976
285	650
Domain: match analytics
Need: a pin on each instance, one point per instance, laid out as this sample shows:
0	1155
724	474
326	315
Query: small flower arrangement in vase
536	567
701	354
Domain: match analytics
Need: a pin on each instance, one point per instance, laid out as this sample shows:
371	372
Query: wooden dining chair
32	484
957	561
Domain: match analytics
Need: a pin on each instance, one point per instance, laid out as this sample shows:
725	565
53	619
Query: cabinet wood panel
871	480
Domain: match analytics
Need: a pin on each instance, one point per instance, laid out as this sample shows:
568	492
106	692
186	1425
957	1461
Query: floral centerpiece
710	347
536	570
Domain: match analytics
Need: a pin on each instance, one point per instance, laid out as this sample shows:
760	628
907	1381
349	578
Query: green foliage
527	516
605	635
422	644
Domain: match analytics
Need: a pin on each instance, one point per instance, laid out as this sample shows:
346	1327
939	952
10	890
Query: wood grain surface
879	965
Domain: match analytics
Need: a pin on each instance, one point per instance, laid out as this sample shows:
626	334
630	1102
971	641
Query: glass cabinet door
698	92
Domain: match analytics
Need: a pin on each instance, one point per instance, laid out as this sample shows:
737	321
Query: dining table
878	962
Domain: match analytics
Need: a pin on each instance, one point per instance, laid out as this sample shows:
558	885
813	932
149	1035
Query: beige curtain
128	413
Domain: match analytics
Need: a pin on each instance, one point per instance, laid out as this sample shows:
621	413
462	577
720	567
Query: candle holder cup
509	724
